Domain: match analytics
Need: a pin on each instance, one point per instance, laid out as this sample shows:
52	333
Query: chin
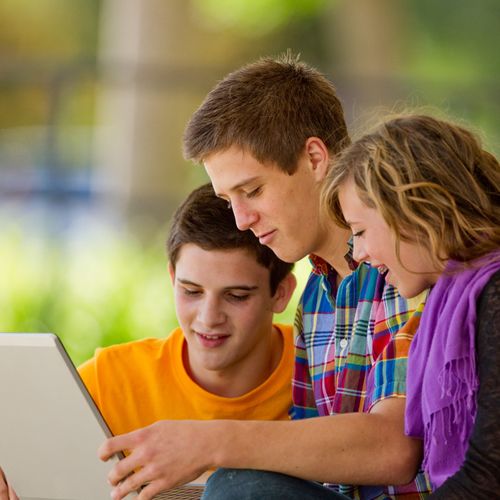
289	259
287	256
211	366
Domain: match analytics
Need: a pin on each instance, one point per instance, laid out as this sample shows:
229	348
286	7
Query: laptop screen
50	428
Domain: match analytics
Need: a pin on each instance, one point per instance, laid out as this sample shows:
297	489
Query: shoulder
491	291
357	284
369	281
488	308
133	350
488	305
316	293
286	331
313	283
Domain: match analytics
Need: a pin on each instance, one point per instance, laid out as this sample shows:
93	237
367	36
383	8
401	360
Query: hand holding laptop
161	455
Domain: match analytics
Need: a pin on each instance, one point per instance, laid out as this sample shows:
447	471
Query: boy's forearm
349	448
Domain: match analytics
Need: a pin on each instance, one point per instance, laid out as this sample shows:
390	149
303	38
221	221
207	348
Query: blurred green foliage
42	45
55	29
114	288
453	63
91	293
454	40
256	17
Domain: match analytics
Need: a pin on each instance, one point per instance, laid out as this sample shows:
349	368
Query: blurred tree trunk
366	40
150	67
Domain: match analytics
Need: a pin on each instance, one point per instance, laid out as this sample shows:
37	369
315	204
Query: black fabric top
479	476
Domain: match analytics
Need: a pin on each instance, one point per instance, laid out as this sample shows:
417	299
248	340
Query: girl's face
375	242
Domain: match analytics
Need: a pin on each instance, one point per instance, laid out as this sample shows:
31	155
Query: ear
318	157
284	292
171	271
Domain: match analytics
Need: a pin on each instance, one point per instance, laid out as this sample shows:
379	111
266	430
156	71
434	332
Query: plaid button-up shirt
351	351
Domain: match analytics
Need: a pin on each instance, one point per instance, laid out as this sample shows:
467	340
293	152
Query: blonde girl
422	198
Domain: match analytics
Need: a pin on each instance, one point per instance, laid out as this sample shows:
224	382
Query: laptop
50	428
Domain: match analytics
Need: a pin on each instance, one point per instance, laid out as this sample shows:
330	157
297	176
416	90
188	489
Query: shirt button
343	343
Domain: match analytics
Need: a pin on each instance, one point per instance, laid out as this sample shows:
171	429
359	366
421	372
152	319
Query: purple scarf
442	378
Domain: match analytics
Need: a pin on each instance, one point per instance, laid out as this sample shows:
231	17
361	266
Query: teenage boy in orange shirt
227	359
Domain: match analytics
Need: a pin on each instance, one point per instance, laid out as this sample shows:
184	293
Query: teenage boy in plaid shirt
266	135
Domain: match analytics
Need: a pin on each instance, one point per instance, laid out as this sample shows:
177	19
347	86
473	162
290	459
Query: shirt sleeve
387	378
304	404
479	476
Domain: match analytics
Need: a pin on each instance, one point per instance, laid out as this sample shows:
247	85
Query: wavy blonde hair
431	181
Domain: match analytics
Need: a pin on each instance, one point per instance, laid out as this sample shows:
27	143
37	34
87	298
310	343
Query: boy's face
225	309
282	210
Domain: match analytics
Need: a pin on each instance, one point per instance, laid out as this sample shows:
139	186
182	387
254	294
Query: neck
334	247
235	381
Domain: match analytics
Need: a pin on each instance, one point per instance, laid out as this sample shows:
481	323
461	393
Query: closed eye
254	192
358	233
238	298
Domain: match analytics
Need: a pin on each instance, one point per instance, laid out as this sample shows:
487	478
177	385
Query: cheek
245	315
261	313
382	246
184	307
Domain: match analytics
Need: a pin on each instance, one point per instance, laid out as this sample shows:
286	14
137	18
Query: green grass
91	292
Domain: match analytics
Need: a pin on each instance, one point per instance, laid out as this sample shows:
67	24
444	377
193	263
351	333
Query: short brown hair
425	176
206	221
268	108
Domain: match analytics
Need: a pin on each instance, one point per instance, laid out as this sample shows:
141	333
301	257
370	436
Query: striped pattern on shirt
349	354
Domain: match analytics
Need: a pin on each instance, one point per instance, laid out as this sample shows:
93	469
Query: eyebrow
245	288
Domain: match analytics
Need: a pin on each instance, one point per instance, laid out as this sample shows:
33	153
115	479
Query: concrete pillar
152	78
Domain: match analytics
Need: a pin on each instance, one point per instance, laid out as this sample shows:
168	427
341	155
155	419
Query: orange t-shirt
137	383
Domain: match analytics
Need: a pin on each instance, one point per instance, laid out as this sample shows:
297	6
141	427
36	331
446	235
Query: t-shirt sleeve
479	476
387	377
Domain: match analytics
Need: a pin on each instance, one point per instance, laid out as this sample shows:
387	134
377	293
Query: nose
210	312
359	252
245	217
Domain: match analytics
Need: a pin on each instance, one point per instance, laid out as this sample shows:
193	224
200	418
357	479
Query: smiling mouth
211	341
211	337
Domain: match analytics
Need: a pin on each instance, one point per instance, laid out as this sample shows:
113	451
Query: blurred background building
94	97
